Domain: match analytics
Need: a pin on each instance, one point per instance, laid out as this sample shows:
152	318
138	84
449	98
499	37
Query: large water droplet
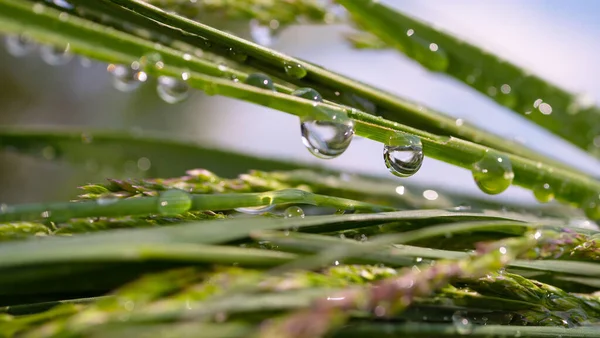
55	56
308	93
591	207
295	70
19	45
543	193
326	133
174	202
126	78
260	81
403	154
293	212
462	324
172	90
261	34
493	173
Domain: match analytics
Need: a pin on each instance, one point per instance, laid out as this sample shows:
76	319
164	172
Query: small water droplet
462	324
149	61
326	133
106	200
237	55
62	4
308	93
260	81
543	193
493	173
295	70
430	195
55	56
403	154
261	34
293	212
19	45
174	202
126	79
49	152
255	210
172	90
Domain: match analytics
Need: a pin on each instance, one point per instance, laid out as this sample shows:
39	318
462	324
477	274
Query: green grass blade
118	47
112	149
511	85
328	83
62	211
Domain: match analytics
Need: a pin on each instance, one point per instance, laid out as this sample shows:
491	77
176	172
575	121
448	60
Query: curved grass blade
333	86
62	211
534	98
118	47
219	231
407	255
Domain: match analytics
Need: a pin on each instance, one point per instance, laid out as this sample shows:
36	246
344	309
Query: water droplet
261	34
256	210
260	81
55	56
172	90
493	173
545	108
149	61
403	154
19	45
430	55
293	212
308	93
126	79
591	207
174	202
543	193
62	3
462	324
295	70
430	195
326	133
237	56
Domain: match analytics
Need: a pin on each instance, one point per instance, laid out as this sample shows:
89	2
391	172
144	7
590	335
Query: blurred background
554	38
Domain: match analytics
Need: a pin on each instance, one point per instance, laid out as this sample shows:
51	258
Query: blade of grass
534	98
328	83
169	156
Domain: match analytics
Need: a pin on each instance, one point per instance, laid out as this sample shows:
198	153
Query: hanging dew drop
295	70
403	154
172	90
543	193
19	45
308	93
126	79
55	56
293	212
493	173
260	81
326	133
174	202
